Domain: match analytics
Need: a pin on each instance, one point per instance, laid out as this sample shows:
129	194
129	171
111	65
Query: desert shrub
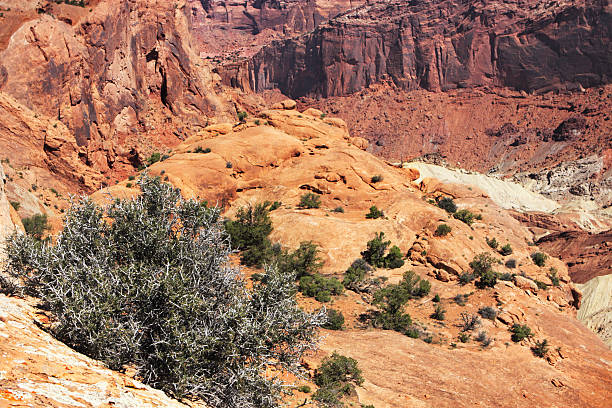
128	185
488	312
338	209
520	332
36	225
466	216
541	348
16	205
249	233
482	265
376	179
303	261
242	115
145	281
541	285
506	276
443	230
320	287
447	204
439	313
355	273
132	178
310	200
336	377
506	250
469	321
554	278
199	149
492	242
154	158
483	339
463	337
374	213
460	299
539	258
375	253
436	298
466	277
335	320
228	165
511	263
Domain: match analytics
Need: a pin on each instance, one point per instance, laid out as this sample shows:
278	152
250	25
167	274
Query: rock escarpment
444	44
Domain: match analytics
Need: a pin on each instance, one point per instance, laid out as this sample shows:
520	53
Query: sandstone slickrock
596	309
444	44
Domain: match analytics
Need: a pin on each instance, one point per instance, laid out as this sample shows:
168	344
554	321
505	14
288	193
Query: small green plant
483	339
36	225
436	298
323	115
320	287
154	158
460	299
469	321
355	274
539	258
305	389
228	165
310	200
200	149
506	250
374	213
463	337
249	233
541	348
466	277
541	285
443	230
520	332
465	216
335	320
487	312
336	377
554	278
492	242
16	205
338	209
242	115
511	263
375	253
128	185
508	277
482	265
376	179
439	313
132	178
447	204
257	122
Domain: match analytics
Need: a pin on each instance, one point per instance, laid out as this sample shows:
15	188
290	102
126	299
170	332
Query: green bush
436	298
305	389
392	298
541	285
506	250
374	213
132	178
375	253
466	216
320	287
541	348
303	261
443	230
463	337
154	158
376	179
539	258
466	277
488	312
520	332
310	200
554	278
199	149
492	242
482	265
447	204
355	273
16	205
144	283
511	263
460	299
249	233
242	115
439	313
338	209
336	377
469	321
335	320
36	225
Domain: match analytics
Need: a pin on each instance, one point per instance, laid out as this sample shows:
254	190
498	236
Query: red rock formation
445	44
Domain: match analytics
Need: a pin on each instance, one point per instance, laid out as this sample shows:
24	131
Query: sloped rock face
126	70
596	309
445	44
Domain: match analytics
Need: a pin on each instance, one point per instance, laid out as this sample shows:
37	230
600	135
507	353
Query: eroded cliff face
443	44
122	79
